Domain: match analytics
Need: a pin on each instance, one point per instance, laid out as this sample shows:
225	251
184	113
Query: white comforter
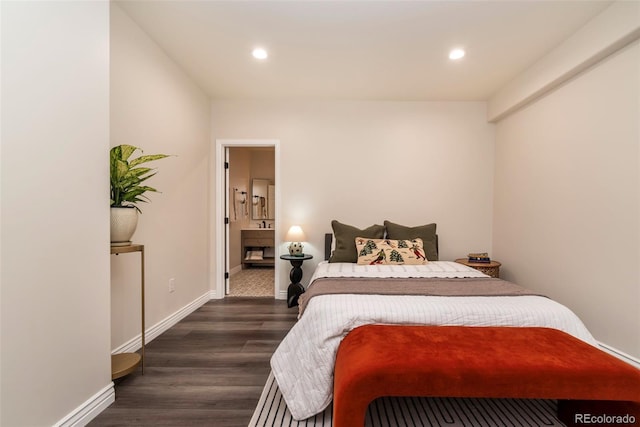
303	363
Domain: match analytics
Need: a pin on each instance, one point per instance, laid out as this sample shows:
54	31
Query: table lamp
295	235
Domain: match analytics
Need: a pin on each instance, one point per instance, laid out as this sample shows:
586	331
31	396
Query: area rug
417	411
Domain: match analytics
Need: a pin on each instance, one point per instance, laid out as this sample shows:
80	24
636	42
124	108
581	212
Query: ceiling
382	50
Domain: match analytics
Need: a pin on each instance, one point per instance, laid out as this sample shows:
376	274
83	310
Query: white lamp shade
295	234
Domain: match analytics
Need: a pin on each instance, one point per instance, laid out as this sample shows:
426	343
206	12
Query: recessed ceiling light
456	54
259	53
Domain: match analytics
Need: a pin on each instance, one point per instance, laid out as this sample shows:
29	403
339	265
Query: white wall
54	201
567	197
155	106
364	162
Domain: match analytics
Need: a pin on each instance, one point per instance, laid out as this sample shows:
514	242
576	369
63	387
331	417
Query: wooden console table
124	363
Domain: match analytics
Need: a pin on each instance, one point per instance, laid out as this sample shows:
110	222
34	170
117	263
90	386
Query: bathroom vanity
258	247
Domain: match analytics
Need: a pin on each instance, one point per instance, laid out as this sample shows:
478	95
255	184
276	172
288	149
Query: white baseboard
620	354
235	270
156	330
282	295
89	409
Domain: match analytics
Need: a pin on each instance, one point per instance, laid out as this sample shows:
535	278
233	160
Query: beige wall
364	162
154	105
567	198
54	219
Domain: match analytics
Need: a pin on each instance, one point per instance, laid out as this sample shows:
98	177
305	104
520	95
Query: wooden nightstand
489	268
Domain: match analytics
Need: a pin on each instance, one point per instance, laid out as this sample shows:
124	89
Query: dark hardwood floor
207	370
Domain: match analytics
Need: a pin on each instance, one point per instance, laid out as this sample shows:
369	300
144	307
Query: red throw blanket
412	286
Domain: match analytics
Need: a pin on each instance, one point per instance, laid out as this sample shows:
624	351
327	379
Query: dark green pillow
345	235
426	232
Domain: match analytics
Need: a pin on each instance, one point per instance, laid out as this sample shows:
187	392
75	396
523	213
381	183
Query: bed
343	296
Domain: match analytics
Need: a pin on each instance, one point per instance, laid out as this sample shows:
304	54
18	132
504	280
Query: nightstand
295	288
489	268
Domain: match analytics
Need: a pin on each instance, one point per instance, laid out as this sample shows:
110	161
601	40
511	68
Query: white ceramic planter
124	221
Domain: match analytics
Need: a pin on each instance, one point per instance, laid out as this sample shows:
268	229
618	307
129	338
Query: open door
226	221
222	234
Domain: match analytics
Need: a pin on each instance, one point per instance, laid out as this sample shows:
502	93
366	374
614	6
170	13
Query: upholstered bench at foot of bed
453	361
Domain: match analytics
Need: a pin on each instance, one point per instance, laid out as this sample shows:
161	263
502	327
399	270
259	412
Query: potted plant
127	190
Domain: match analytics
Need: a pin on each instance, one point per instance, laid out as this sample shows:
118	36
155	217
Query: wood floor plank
207	370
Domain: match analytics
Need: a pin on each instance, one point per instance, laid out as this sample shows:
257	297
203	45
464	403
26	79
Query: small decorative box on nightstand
489	268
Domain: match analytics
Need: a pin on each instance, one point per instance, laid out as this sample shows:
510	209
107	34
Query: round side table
295	288
489	268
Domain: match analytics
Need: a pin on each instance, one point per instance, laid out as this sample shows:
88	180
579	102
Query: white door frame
217	204
227	225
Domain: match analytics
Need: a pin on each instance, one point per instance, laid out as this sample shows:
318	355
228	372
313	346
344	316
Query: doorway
247	199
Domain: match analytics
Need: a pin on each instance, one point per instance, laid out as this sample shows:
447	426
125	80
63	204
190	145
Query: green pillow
345	235
426	232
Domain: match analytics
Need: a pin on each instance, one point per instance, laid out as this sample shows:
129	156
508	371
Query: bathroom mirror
263	195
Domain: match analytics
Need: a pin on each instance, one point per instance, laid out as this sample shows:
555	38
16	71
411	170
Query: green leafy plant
127	176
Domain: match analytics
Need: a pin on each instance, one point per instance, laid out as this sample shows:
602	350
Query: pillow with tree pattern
387	251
